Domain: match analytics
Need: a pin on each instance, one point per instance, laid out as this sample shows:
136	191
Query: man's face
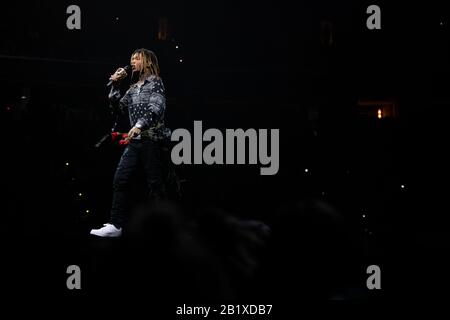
136	62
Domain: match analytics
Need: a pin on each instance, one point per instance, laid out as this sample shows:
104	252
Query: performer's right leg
128	165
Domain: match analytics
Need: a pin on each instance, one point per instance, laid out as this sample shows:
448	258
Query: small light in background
87	211
379	114
363	215
80	194
181	60
67	164
176	47
306	170
402	186
23	97
117	18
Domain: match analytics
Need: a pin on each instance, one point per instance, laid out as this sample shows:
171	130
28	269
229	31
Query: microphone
102	140
126	68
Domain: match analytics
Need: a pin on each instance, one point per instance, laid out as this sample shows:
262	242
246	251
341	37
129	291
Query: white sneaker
109	230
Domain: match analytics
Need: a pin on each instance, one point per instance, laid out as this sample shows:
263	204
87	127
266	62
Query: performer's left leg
152	158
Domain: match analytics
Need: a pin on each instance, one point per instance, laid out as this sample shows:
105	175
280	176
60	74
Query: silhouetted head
144	61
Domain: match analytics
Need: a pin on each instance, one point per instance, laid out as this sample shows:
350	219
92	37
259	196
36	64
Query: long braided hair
149	62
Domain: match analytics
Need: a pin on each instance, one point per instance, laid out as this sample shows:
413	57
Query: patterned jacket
146	104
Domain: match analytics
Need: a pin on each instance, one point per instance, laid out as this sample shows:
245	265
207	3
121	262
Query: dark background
304	67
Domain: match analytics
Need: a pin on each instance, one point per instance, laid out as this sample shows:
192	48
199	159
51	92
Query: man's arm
114	94
116	100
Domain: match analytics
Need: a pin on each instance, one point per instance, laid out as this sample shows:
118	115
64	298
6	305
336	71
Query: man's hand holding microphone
120	74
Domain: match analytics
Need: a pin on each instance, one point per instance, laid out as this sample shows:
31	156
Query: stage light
176	47
67	164
306	170
80	194
379	114
181	60
402	186
363	215
87	211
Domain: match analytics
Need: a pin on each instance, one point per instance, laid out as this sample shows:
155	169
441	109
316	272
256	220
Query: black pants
138	153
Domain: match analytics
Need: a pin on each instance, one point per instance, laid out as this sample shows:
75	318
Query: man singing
146	103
